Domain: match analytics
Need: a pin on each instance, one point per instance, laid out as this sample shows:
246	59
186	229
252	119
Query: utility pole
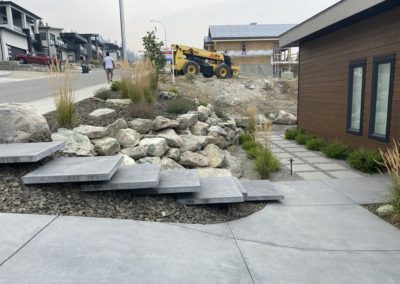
123	34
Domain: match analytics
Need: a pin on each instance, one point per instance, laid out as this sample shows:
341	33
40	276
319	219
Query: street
25	91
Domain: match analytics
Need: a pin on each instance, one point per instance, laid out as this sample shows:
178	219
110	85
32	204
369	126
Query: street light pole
165	31
123	34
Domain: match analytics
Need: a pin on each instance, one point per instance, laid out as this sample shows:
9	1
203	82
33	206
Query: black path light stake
291	166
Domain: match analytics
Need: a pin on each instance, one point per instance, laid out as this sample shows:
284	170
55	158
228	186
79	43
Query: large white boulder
106	146
200	128
173	139
191	159
215	155
187	120
193	143
233	164
101	113
93	132
128	137
155	147
22	123
173	154
75	143
203	113
211	172
161	122
169	164
135	152
141	125
217	129
119	124
285	118
150	160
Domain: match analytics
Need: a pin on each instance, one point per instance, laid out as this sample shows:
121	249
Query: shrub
253	151
251	112
245	138
291	133
180	106
116	86
190	77
103	94
141	110
337	150
303	138
315	144
247	145
367	161
266	163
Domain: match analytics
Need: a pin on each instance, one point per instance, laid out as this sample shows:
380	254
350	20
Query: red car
39	58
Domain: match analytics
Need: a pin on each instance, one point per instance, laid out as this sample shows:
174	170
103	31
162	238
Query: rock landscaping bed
384	212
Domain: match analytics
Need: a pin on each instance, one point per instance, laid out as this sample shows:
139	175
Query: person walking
109	65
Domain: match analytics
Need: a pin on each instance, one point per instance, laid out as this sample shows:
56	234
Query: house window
355	103
3	15
382	89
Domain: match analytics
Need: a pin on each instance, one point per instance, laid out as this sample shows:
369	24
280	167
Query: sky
186	21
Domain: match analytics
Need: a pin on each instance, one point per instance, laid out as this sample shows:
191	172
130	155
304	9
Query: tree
153	51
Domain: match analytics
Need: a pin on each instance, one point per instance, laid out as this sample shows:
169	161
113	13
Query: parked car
38	58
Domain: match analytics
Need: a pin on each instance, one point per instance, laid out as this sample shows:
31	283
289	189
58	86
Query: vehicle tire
191	67
222	71
22	61
207	74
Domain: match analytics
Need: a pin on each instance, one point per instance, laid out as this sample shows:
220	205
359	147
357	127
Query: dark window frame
355	64
377	61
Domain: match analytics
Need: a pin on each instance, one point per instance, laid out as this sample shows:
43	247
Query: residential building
94	46
349	78
51	42
254	47
113	49
18	27
75	46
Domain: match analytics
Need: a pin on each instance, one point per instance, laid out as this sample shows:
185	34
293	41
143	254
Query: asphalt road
35	89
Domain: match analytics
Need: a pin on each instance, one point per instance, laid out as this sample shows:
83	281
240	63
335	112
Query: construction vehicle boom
194	60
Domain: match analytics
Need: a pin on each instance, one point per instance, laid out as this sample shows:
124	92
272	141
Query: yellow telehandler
194	60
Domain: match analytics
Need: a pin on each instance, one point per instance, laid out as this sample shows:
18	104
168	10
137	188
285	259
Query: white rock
106	146
169	164
101	113
150	160
193	143
128	137
120	102
215	156
75	143
135	152
173	154
161	122
187	120
200	128
217	129
220	141
233	164
242	121
385	210
191	159
128	160
167	95
213	121
261	119
21	123
112	129
285	118
142	126
173	139
93	132
203	113
155	147
211	172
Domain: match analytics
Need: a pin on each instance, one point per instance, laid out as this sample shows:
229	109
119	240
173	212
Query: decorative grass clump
116	86
303	138
103	94
180	106
266	163
292	133
337	150
367	161
251	112
315	144
245	137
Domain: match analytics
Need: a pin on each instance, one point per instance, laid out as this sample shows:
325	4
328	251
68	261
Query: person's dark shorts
110	71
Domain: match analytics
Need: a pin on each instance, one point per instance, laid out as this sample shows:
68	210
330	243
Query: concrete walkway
317	235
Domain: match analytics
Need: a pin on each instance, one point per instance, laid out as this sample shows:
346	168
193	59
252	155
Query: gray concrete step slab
214	191
241	187
261	190
178	181
28	152
75	169
132	177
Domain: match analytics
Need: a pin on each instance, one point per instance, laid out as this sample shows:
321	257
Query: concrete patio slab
76	169
315	160
307	154
261	190
313	176
222	229
88	250
16	230
330	167
366	190
214	191
178	181
345	174
240	186
302	168
303	193
28	152
129	178
342	227
280	265
296	150
285	155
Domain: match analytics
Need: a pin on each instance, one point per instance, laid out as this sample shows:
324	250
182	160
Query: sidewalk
318	234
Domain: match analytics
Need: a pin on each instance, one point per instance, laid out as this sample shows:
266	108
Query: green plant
115	86
315	144
245	137
291	133
190	77
266	163
303	138
180	106
103	94
367	161
337	150
152	50
252	152
251	112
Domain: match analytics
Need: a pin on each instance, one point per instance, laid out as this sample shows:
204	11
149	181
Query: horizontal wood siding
323	81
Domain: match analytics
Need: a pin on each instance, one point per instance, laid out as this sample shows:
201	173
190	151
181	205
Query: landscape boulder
119	102
242	121
128	137
385	210
101	113
211	172
135	152
187	120
155	147
217	129
191	159
173	139
193	143
220	141
112	129
169	164
164	95
173	154
233	164
128	160
92	132
203	113
150	160
161	122
75	143
200	128
142	126
21	123
106	146
285	118
215	156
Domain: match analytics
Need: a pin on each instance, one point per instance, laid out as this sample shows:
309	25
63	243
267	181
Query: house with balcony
94	46
51	42
75	46
113	49
18	27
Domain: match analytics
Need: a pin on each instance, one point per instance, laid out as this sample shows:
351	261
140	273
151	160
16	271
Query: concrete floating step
214	191
75	169
261	190
132	177
28	152
178	181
